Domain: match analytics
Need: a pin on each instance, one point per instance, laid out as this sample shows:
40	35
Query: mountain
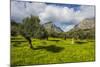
85	24
50	27
85	29
88	23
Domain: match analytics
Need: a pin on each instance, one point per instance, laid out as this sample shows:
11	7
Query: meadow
51	51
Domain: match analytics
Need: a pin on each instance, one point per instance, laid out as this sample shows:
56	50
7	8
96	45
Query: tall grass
50	52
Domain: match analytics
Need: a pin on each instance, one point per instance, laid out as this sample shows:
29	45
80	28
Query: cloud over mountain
63	16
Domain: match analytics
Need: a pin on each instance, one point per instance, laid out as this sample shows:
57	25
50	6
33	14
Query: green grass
51	52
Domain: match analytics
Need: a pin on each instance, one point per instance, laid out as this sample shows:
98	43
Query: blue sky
75	6
65	16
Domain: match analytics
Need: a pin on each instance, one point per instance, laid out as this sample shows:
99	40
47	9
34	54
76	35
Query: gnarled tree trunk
28	38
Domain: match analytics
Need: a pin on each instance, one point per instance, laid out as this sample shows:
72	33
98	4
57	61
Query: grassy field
54	50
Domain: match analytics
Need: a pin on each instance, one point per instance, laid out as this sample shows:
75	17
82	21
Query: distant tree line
81	34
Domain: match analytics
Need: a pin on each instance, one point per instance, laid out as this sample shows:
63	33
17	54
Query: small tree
43	33
14	28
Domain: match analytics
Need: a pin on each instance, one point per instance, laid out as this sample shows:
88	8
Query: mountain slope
88	23
85	29
50	27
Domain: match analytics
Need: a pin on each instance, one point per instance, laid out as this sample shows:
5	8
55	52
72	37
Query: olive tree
31	28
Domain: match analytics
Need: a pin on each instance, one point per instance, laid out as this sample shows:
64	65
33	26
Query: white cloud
20	10
85	12
57	14
66	15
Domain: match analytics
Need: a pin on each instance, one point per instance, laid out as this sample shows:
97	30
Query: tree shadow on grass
51	48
